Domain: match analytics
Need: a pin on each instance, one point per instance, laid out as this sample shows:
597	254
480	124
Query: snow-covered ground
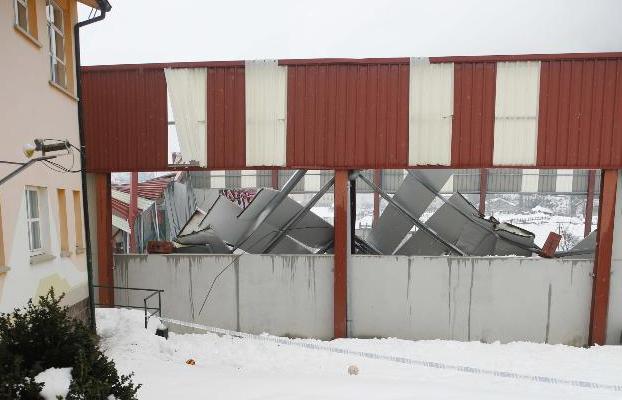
241	368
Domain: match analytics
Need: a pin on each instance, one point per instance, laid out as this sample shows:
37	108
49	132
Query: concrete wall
30	107
614	320
283	295
486	299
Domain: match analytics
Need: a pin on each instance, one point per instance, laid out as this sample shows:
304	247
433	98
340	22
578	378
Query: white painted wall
455	298
614	319
32	108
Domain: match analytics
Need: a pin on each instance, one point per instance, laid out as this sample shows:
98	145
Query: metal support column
378	182
352	212
104	238
275	179
483	188
589	202
602	259
342	253
133	211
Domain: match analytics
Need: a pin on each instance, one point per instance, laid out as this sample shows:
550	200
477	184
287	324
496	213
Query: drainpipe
104	7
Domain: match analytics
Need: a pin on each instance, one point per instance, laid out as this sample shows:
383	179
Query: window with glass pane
34	221
56	31
21	14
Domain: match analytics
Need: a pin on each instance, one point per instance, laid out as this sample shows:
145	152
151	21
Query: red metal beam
527	57
104	237
275	179
483	189
378	182
589	202
133	210
602	259
341	253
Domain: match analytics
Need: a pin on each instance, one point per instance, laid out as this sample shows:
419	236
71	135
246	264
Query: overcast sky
138	31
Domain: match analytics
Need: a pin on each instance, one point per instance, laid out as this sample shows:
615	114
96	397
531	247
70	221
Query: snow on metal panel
347	115
430	112
125	120
226	121
516	113
580	117
266	111
474	114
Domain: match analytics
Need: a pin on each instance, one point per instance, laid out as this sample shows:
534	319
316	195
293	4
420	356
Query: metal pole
602	258
341	256
377	181
298	216
352	193
414	219
589	202
23	166
483	188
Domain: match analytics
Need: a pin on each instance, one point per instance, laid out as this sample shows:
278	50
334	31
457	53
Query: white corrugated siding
312	180
187	90
217	179
431	108
563	182
249	178
516	113
266	113
529	183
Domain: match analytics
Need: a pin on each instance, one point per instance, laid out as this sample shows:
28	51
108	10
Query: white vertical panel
249	178
187	90
529	183
563	182
516	113
431	108
217	179
266	110
312	180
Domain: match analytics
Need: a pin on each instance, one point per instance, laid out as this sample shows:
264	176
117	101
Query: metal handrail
148	314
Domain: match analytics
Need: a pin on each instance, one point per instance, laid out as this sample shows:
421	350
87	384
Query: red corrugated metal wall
125	120
347	115
580	117
474	114
226	117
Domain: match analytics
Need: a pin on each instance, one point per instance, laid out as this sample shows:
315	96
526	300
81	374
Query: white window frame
23	3
30	220
53	30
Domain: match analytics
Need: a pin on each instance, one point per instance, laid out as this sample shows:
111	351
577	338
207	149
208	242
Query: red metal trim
351	116
341	253
474	115
589	202
602	259
348	61
527	57
104	238
136	67
483	189
226	118
275	179
579	118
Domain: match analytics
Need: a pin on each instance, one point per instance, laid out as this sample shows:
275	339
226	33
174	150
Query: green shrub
41	336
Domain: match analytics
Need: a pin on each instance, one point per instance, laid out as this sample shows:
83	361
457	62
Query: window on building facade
34	221
77	212
56	29
62	223
37	219
26	17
